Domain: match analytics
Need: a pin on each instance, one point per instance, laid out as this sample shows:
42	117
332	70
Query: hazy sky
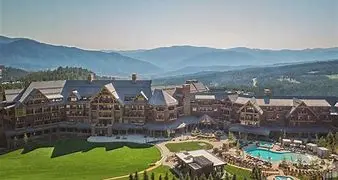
141	24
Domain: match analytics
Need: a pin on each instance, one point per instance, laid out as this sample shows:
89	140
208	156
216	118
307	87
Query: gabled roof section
316	102
274	102
196	86
47	88
233	97
13	95
34	90
298	104
242	100
162	98
122	87
336	105
206	119
252	102
112	90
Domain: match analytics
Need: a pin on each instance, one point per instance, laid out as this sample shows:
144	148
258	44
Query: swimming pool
273	156
283	178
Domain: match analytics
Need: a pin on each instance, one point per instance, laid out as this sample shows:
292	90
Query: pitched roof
205	97
112	90
281	102
123	88
47	88
336	104
162	98
274	102
241	100
316	102
233	97
196	86
206	119
13	94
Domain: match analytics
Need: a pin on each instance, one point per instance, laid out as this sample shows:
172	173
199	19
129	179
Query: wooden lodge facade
82	108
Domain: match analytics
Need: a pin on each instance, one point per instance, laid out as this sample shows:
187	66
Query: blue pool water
283	178
276	156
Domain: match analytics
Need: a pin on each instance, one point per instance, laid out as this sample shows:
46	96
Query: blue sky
140	24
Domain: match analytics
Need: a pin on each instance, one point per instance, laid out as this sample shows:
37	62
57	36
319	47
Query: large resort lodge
83	108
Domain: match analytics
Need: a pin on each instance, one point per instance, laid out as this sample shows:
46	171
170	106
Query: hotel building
56	109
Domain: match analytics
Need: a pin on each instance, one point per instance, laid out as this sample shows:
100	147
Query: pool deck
273	177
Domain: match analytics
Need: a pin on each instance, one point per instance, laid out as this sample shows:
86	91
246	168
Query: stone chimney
186	99
185	89
91	77
134	77
267	95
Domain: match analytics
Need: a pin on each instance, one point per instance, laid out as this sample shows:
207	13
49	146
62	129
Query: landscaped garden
77	159
188	146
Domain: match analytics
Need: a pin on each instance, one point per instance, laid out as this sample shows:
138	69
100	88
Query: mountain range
177	56
306	79
32	55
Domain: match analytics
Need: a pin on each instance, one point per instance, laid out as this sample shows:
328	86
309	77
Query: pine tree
152	176
130	177
227	176
136	176
187	176
173	178
166	177
203	177
210	177
145	175
160	178
234	177
331	143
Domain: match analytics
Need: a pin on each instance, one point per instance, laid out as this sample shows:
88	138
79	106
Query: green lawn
188	146
240	173
161	170
77	159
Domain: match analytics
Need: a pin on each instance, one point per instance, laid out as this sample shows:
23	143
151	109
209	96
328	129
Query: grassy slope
187	146
91	163
240	173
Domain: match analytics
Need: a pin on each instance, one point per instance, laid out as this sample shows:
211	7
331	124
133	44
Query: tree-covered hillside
12	74
318	78
17	78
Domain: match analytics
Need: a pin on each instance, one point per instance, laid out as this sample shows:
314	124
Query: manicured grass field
188	146
240	173
77	159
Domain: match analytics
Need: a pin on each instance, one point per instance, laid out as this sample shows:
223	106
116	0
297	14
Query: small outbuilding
286	142
199	162
323	152
311	147
297	142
